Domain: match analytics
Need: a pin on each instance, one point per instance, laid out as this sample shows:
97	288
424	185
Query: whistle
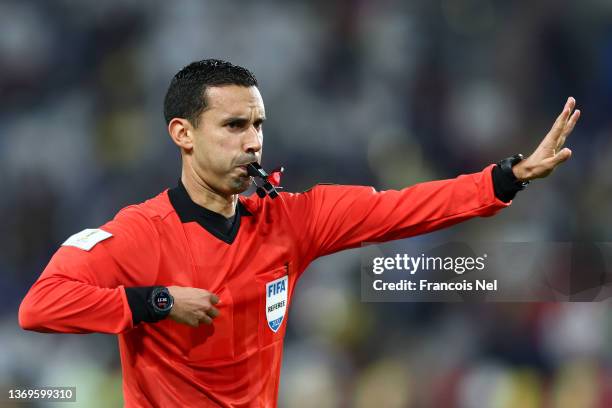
270	182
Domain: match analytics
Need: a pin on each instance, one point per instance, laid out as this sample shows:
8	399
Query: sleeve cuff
138	300
504	185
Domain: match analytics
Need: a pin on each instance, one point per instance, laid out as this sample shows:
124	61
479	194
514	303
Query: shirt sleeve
83	291
342	217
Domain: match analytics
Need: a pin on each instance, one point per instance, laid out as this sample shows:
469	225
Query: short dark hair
186	95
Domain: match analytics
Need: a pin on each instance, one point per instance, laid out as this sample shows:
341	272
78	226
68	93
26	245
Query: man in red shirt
202	253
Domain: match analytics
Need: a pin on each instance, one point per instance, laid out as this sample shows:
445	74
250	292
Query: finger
558	128
560	157
574	118
567	110
213	312
569	127
214	299
206	319
571	103
565	113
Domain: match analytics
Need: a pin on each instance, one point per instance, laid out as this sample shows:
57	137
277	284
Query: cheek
215	151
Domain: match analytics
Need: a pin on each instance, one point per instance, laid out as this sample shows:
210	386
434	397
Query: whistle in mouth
270	181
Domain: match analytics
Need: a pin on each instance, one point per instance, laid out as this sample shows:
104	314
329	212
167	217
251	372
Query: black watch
161	301
506	165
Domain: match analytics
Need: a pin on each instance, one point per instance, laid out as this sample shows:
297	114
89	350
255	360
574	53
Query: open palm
550	153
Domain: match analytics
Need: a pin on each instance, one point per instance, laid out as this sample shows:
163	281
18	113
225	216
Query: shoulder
155	208
133	227
141	219
321	192
158	207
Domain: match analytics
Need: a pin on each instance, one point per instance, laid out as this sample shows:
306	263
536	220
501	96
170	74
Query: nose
253	140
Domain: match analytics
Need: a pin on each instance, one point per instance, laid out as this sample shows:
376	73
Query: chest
253	278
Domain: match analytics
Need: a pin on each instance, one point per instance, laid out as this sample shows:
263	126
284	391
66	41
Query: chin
240	185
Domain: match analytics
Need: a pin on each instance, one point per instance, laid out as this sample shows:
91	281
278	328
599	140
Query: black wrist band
505	183
139	301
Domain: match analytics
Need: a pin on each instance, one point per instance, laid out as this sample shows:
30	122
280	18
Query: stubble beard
240	184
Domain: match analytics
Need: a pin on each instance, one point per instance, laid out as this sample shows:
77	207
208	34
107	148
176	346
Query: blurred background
385	93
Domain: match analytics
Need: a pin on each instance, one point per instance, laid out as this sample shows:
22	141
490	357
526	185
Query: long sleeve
82	290
334	218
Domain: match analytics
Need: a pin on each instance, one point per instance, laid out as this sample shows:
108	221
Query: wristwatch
161	301
506	165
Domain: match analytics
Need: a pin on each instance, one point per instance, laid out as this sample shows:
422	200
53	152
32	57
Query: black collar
223	228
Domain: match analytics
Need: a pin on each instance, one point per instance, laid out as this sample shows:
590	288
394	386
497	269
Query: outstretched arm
341	217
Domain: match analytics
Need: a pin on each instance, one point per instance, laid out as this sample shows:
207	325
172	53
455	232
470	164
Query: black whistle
257	172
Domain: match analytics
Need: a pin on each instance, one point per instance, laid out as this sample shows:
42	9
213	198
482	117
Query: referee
197	281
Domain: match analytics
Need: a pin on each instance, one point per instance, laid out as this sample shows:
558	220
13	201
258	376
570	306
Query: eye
234	124
258	124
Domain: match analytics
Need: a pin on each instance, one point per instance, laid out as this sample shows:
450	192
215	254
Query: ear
181	132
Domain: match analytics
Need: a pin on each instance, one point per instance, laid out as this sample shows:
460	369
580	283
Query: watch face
161	300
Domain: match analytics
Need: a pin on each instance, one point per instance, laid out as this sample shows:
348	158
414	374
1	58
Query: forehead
234	100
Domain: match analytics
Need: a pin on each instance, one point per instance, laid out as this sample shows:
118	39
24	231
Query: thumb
562	156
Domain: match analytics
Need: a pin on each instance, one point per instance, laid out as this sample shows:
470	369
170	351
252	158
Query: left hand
549	154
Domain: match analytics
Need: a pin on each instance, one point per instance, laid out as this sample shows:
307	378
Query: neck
204	196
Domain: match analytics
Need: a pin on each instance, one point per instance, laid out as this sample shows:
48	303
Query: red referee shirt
235	362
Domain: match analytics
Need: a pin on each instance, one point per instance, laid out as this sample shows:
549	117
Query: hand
193	306
549	154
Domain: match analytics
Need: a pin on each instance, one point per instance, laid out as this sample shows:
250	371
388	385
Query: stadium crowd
357	92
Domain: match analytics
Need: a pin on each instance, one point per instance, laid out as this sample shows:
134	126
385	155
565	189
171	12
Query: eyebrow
243	119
